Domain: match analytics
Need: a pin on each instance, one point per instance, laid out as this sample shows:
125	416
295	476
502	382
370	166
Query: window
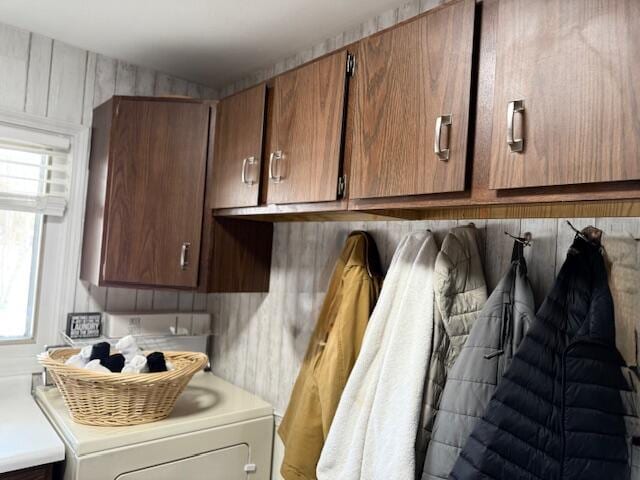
34	183
43	178
20	235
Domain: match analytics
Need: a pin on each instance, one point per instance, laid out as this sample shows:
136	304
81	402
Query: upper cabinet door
306	132
238	149
412	86
566	93
156	193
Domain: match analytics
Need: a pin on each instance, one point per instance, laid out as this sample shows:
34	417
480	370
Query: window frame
60	250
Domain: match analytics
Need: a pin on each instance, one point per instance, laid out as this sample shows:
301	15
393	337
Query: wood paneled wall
49	78
260	339
373	25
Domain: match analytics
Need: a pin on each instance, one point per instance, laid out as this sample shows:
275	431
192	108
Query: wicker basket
110	399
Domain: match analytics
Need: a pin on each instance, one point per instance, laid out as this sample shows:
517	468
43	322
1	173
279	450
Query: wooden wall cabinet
546	91
147	221
412	85
146	193
305	125
237	157
573	69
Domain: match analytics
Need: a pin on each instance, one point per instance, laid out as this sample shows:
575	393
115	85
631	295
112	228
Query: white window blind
35	170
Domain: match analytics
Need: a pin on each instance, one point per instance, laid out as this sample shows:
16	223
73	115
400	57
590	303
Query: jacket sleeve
359	295
631	402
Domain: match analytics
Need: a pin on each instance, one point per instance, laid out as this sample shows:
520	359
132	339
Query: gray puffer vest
460	293
494	337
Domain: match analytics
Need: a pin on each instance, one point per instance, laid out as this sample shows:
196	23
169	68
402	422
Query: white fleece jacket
373	433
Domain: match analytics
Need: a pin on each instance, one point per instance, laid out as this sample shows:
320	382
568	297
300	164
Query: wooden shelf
557	209
320	211
576	209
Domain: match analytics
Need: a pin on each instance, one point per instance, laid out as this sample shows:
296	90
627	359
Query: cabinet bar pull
245	162
184	255
515	144
273	158
442	153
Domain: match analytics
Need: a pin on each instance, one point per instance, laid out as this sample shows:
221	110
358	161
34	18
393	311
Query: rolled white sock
138	364
127	343
128	347
169	366
132	369
76	360
86	352
96	366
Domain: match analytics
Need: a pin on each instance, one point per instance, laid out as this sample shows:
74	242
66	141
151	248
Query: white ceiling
213	42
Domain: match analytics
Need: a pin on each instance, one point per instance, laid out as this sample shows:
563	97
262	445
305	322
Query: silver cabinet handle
243	175
442	153
184	255
515	144
273	158
245	162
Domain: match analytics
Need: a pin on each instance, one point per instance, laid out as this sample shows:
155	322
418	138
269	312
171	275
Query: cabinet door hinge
351	64
342	181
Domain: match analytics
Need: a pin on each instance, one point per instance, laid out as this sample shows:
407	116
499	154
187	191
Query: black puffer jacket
558	412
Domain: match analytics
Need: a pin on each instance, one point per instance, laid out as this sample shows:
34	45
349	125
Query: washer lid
207	402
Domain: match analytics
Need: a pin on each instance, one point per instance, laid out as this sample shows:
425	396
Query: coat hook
524	240
578	232
592	236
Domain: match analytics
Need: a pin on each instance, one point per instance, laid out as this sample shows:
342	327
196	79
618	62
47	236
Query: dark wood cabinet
567	84
412	85
471	104
42	472
148	220
237	157
146	193
305	124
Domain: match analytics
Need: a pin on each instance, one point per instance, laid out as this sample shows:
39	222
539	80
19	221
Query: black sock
156	362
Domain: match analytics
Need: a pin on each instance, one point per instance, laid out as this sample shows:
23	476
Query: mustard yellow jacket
333	349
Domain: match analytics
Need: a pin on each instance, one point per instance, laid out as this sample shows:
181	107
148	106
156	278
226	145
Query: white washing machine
217	431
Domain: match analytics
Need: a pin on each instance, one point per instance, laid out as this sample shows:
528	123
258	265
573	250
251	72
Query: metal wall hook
525	240
589	234
578	232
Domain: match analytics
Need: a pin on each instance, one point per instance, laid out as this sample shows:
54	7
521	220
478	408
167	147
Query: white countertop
207	402
27	439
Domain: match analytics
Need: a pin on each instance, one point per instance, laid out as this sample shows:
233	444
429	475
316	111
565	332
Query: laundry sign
84	325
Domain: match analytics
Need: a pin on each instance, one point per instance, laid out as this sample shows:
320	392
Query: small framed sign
84	325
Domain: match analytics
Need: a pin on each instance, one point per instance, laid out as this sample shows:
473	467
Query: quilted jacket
494	337
460	293
558	412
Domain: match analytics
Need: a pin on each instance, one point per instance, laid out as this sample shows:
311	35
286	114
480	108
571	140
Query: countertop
27	439
207	402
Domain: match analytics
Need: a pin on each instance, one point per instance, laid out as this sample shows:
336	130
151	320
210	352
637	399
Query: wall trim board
574	209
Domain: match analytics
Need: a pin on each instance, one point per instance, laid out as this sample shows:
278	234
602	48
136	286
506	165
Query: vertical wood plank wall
48	78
